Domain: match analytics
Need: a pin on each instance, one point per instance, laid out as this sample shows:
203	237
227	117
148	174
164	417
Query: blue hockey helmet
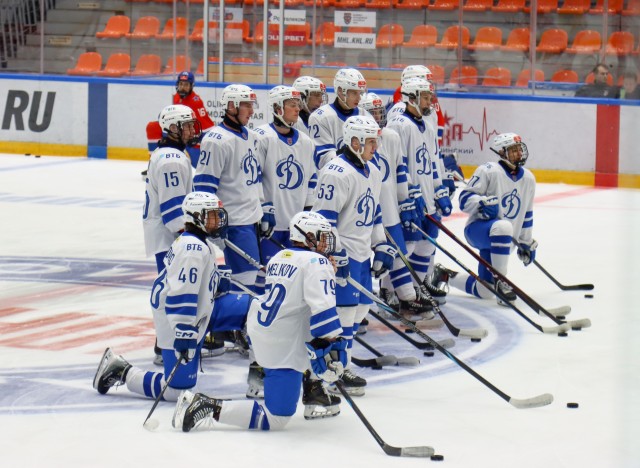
185	77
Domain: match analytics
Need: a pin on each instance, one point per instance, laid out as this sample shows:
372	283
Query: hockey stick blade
387	360
534	402
416	452
565	327
577	287
581	323
473	332
558	311
408	361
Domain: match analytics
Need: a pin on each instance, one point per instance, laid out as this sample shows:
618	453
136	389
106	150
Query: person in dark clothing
599	87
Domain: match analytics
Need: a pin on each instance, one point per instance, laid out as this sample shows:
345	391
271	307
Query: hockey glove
322	364
224	282
383	256
443	201
450	183
451	165
408	213
416	194
488	208
341	260
268	221
339	351
186	341
527	253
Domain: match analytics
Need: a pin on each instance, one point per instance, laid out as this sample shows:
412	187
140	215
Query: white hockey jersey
300	304
169	180
325	128
515	195
418	139
393	171
229	168
349	198
185	289
288	173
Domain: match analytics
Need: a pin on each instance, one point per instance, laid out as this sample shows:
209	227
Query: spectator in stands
630	88
599	87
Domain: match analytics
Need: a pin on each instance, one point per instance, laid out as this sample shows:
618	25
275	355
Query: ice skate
441	276
506	292
439	295
213	345
111	372
193	410
353	384
255	379
418	309
319	403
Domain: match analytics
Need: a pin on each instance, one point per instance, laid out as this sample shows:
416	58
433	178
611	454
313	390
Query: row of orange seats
575	7
119	64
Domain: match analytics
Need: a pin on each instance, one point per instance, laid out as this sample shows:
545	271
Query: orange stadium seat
553	41
586	41
200	67
197	34
614	8
574	7
117	26
180	64
378	4
411	4
444	5
423	35
117	65
368	65
336	64
347	4
398	66
319	3
487	38
438	74
360	29
146	27
544	6
525	76
497	76
477	5
181	25
325	34
465	75
390	35
89	63
564	76
243	25
451	36
258	33
242	60
620	43
147	64
633	8
293	32
517	40
509	6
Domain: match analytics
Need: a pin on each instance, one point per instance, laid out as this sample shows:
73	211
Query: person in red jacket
187	97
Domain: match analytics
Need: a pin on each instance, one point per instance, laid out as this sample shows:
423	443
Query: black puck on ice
572	405
563	334
476	340
428	353
576	328
37	155
437	457
589	296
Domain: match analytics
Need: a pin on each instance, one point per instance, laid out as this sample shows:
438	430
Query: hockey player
419	145
348	196
398	210
229	167
181	301
186	96
313	93
325	123
296	322
499	201
288	173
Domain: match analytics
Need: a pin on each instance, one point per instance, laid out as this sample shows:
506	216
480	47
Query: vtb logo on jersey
290	173
511	204
366	206
251	168
423	160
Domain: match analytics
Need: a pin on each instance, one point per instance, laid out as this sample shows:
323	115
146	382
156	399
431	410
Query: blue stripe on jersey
401	177
190	311
171	203
377	218
331	216
471	286
182	298
205	183
325	323
171	215
320	151
527	224
259	418
313	181
464	197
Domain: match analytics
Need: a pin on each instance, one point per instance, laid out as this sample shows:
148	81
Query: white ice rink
74	280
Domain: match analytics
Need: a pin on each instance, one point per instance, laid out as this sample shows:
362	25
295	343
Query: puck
37	155
576	328
437	457
572	405
589	296
476	340
563	334
376	367
428	353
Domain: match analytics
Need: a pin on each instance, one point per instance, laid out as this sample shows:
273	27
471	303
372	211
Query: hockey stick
152	424
377	362
534	402
556	329
421	452
448	343
571	287
469	333
400	361
560	311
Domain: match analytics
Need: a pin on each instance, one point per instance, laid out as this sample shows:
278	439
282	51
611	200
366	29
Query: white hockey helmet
416	71
277	97
349	78
313	227
413	88
238	93
178	115
372	103
199	206
511	149
361	127
309	84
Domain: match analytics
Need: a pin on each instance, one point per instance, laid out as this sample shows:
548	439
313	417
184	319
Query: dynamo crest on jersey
251	167
511	204
366	206
290	172
383	166
423	159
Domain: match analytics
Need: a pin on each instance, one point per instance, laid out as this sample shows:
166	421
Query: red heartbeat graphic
456	131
